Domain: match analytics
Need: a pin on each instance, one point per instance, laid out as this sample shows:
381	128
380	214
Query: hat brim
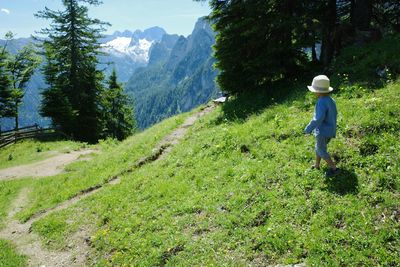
317	90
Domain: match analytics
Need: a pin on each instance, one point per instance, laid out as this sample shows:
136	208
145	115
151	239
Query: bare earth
77	253
47	167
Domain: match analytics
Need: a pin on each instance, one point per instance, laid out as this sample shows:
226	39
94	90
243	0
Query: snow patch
120	47
120	44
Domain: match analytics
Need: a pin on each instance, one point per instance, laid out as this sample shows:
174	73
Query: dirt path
47	167
29	244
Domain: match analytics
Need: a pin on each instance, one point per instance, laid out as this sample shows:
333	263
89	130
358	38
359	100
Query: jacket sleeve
319	116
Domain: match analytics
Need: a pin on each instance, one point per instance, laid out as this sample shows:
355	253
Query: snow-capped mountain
127	51
164	73
120	47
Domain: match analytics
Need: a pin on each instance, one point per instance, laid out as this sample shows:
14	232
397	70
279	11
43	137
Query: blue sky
175	16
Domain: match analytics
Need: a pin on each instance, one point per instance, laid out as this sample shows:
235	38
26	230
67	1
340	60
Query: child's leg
330	162
317	161
321	151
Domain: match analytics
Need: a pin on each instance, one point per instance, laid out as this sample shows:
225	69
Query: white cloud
5	11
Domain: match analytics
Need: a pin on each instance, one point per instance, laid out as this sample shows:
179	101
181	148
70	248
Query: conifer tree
5	82
21	67
258	42
262	41
118	119
15	72
72	99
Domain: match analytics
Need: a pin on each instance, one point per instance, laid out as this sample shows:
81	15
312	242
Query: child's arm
319	116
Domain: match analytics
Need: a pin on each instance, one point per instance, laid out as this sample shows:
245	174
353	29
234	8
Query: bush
375	64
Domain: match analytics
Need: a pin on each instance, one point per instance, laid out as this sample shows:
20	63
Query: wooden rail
34	131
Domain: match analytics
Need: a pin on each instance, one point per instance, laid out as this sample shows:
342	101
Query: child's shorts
321	146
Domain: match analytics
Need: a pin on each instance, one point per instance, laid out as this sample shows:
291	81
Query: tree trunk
314	53
16	116
327	48
361	14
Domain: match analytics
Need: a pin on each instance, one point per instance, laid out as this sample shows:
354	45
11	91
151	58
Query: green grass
30	151
48	192
9	258
115	158
238	191
8	192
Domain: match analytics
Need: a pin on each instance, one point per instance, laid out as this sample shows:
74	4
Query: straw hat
320	84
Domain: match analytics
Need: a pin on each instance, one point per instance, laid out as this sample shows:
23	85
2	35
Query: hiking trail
48	167
78	251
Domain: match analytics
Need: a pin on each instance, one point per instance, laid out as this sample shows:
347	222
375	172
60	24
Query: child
324	122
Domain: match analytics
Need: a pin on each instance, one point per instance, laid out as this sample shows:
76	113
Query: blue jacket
324	121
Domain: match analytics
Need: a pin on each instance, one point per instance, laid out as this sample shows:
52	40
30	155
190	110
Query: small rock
88	240
244	149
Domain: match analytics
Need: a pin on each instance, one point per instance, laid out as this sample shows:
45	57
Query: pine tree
21	67
258	42
72	99
386	15
118	119
262	41
5	82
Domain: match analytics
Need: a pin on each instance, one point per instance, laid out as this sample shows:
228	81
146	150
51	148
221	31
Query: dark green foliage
260	42
117	111
257	42
72	98
15	73
375	64
5	85
386	15
21	67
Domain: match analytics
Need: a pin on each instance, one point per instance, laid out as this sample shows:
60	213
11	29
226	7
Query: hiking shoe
331	173
313	167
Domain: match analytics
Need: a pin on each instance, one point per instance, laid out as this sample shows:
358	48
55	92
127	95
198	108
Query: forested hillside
177	79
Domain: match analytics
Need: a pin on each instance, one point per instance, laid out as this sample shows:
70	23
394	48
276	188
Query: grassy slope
9	258
47	192
9	191
239	191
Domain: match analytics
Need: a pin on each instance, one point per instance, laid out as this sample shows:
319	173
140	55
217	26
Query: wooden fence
34	131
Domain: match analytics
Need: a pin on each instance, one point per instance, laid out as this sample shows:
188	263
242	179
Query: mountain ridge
178	82
138	55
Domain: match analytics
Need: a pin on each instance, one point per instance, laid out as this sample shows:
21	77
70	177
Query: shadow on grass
241	107
344	183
